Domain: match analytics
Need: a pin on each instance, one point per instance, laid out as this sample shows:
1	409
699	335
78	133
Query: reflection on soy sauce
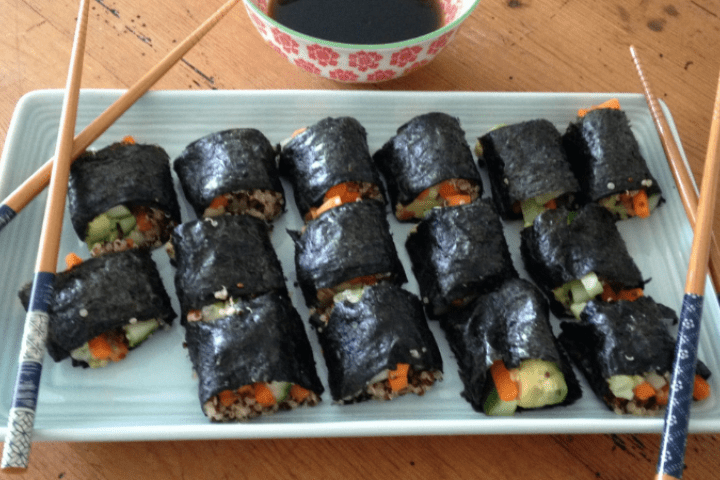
359	21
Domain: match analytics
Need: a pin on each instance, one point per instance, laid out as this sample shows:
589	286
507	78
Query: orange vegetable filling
398	378
701	388
612	103
143	222
644	391
346	192
506	386
219	201
72	260
454	200
263	395
109	346
610	295
299	393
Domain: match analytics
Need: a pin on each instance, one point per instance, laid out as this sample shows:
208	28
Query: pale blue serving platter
152	394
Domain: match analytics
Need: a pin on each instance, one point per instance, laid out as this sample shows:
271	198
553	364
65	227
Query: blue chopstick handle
21	418
677	416
6	214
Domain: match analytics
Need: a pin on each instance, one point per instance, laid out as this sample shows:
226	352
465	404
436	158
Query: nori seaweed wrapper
346	242
459	253
385	327
230	252
427	150
120	174
511	324
561	246
265	341
330	152
103	294
605	155
622	338
525	160
240	159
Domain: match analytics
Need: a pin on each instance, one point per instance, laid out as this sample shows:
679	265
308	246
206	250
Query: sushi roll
253	360
221	259
606	159
329	164
528	169
458	253
377	345
507	355
105	307
626	352
122	196
232	171
428	164
574	256
348	245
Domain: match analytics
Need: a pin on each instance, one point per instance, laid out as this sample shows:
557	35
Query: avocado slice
540	383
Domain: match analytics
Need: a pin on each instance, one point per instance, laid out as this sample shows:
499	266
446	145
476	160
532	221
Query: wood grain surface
506	45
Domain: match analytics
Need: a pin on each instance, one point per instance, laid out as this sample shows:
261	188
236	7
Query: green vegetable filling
532	207
575	294
107	226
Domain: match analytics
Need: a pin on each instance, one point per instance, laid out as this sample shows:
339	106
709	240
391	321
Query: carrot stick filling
452	192
342	193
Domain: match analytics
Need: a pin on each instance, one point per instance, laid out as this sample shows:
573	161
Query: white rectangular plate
152	395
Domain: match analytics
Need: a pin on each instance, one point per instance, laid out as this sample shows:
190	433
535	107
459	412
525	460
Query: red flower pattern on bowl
324	56
365	60
381	75
359	63
285	41
343	75
405	56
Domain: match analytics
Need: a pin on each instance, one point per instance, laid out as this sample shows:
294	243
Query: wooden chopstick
677	417
684	182
21	418
29	189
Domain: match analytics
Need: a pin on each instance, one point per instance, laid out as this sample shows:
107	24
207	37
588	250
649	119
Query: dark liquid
359	21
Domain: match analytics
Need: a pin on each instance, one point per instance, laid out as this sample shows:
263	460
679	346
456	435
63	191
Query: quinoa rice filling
263	204
260	398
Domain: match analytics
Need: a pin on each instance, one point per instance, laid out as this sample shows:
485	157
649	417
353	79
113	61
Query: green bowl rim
358	46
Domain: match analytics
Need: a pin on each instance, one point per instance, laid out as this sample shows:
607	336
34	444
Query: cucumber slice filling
575	294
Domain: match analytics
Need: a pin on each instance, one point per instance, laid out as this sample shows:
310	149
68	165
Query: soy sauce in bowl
363	22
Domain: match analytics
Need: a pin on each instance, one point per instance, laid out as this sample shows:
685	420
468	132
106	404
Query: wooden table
509	45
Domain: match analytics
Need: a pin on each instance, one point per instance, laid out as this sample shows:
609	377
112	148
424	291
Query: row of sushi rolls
249	346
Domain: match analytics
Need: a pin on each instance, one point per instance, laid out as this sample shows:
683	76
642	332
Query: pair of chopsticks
56	171
22	413
677	416
32	187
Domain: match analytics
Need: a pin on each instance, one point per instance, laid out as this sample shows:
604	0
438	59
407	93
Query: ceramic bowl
351	63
